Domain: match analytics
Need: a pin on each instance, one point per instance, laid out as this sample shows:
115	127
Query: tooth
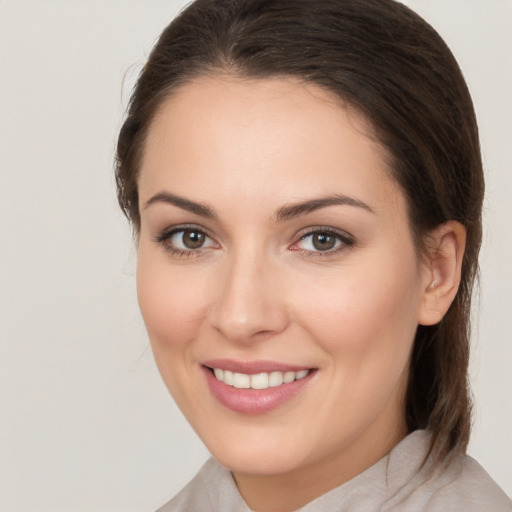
241	381
259	381
275	379
228	377
289	377
301	374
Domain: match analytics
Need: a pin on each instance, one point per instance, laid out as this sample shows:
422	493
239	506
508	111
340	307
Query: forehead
274	138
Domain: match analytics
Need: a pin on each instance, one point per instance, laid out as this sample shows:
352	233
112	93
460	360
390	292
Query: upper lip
253	367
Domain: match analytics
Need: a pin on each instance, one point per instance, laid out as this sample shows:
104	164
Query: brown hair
383	59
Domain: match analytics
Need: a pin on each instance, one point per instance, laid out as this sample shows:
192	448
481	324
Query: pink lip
253	401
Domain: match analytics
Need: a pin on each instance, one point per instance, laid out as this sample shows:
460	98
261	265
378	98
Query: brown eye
193	239
323	241
186	239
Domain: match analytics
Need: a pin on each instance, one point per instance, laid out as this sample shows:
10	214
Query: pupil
193	239
323	241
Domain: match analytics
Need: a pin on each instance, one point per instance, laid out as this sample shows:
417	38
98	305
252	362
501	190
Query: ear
441	270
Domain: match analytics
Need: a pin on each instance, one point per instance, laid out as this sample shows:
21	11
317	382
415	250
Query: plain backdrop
85	423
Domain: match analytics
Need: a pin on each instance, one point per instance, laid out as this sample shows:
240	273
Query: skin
258	290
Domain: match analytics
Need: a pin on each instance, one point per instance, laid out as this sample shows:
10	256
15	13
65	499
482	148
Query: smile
255	387
258	380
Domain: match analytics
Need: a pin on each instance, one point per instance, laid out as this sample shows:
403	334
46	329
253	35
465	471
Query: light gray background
85	423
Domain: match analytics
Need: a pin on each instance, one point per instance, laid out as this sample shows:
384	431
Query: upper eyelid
324	229
168	231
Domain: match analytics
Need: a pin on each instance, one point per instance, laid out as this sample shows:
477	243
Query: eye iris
193	239
323	241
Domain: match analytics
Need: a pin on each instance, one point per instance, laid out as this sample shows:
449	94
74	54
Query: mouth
261	380
257	387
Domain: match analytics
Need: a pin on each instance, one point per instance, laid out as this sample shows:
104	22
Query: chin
256	462
260	451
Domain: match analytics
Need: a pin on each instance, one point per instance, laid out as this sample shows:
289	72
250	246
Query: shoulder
465	485
457	483
212	489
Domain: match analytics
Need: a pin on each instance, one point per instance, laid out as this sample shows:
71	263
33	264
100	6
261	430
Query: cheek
170	300
364	322
173	308
365	316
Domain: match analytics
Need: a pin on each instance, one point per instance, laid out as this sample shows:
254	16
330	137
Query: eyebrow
295	210
284	213
181	202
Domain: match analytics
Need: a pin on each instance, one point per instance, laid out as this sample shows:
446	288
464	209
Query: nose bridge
248	301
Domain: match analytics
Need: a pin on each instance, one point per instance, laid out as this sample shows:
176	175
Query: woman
305	184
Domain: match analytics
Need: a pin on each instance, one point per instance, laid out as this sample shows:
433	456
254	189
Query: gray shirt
398	482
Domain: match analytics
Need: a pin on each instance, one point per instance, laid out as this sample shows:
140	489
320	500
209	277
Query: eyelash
346	241
164	240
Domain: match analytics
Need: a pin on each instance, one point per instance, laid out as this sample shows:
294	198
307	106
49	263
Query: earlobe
442	271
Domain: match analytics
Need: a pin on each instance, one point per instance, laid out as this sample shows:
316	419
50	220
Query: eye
320	241
185	241
188	239
323	241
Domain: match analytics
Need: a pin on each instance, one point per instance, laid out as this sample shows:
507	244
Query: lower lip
254	401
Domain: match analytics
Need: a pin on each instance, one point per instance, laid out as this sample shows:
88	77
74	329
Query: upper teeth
258	380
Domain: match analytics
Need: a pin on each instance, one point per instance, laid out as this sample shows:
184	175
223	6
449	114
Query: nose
249	302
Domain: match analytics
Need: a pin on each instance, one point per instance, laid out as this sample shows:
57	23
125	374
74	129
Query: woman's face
275	250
